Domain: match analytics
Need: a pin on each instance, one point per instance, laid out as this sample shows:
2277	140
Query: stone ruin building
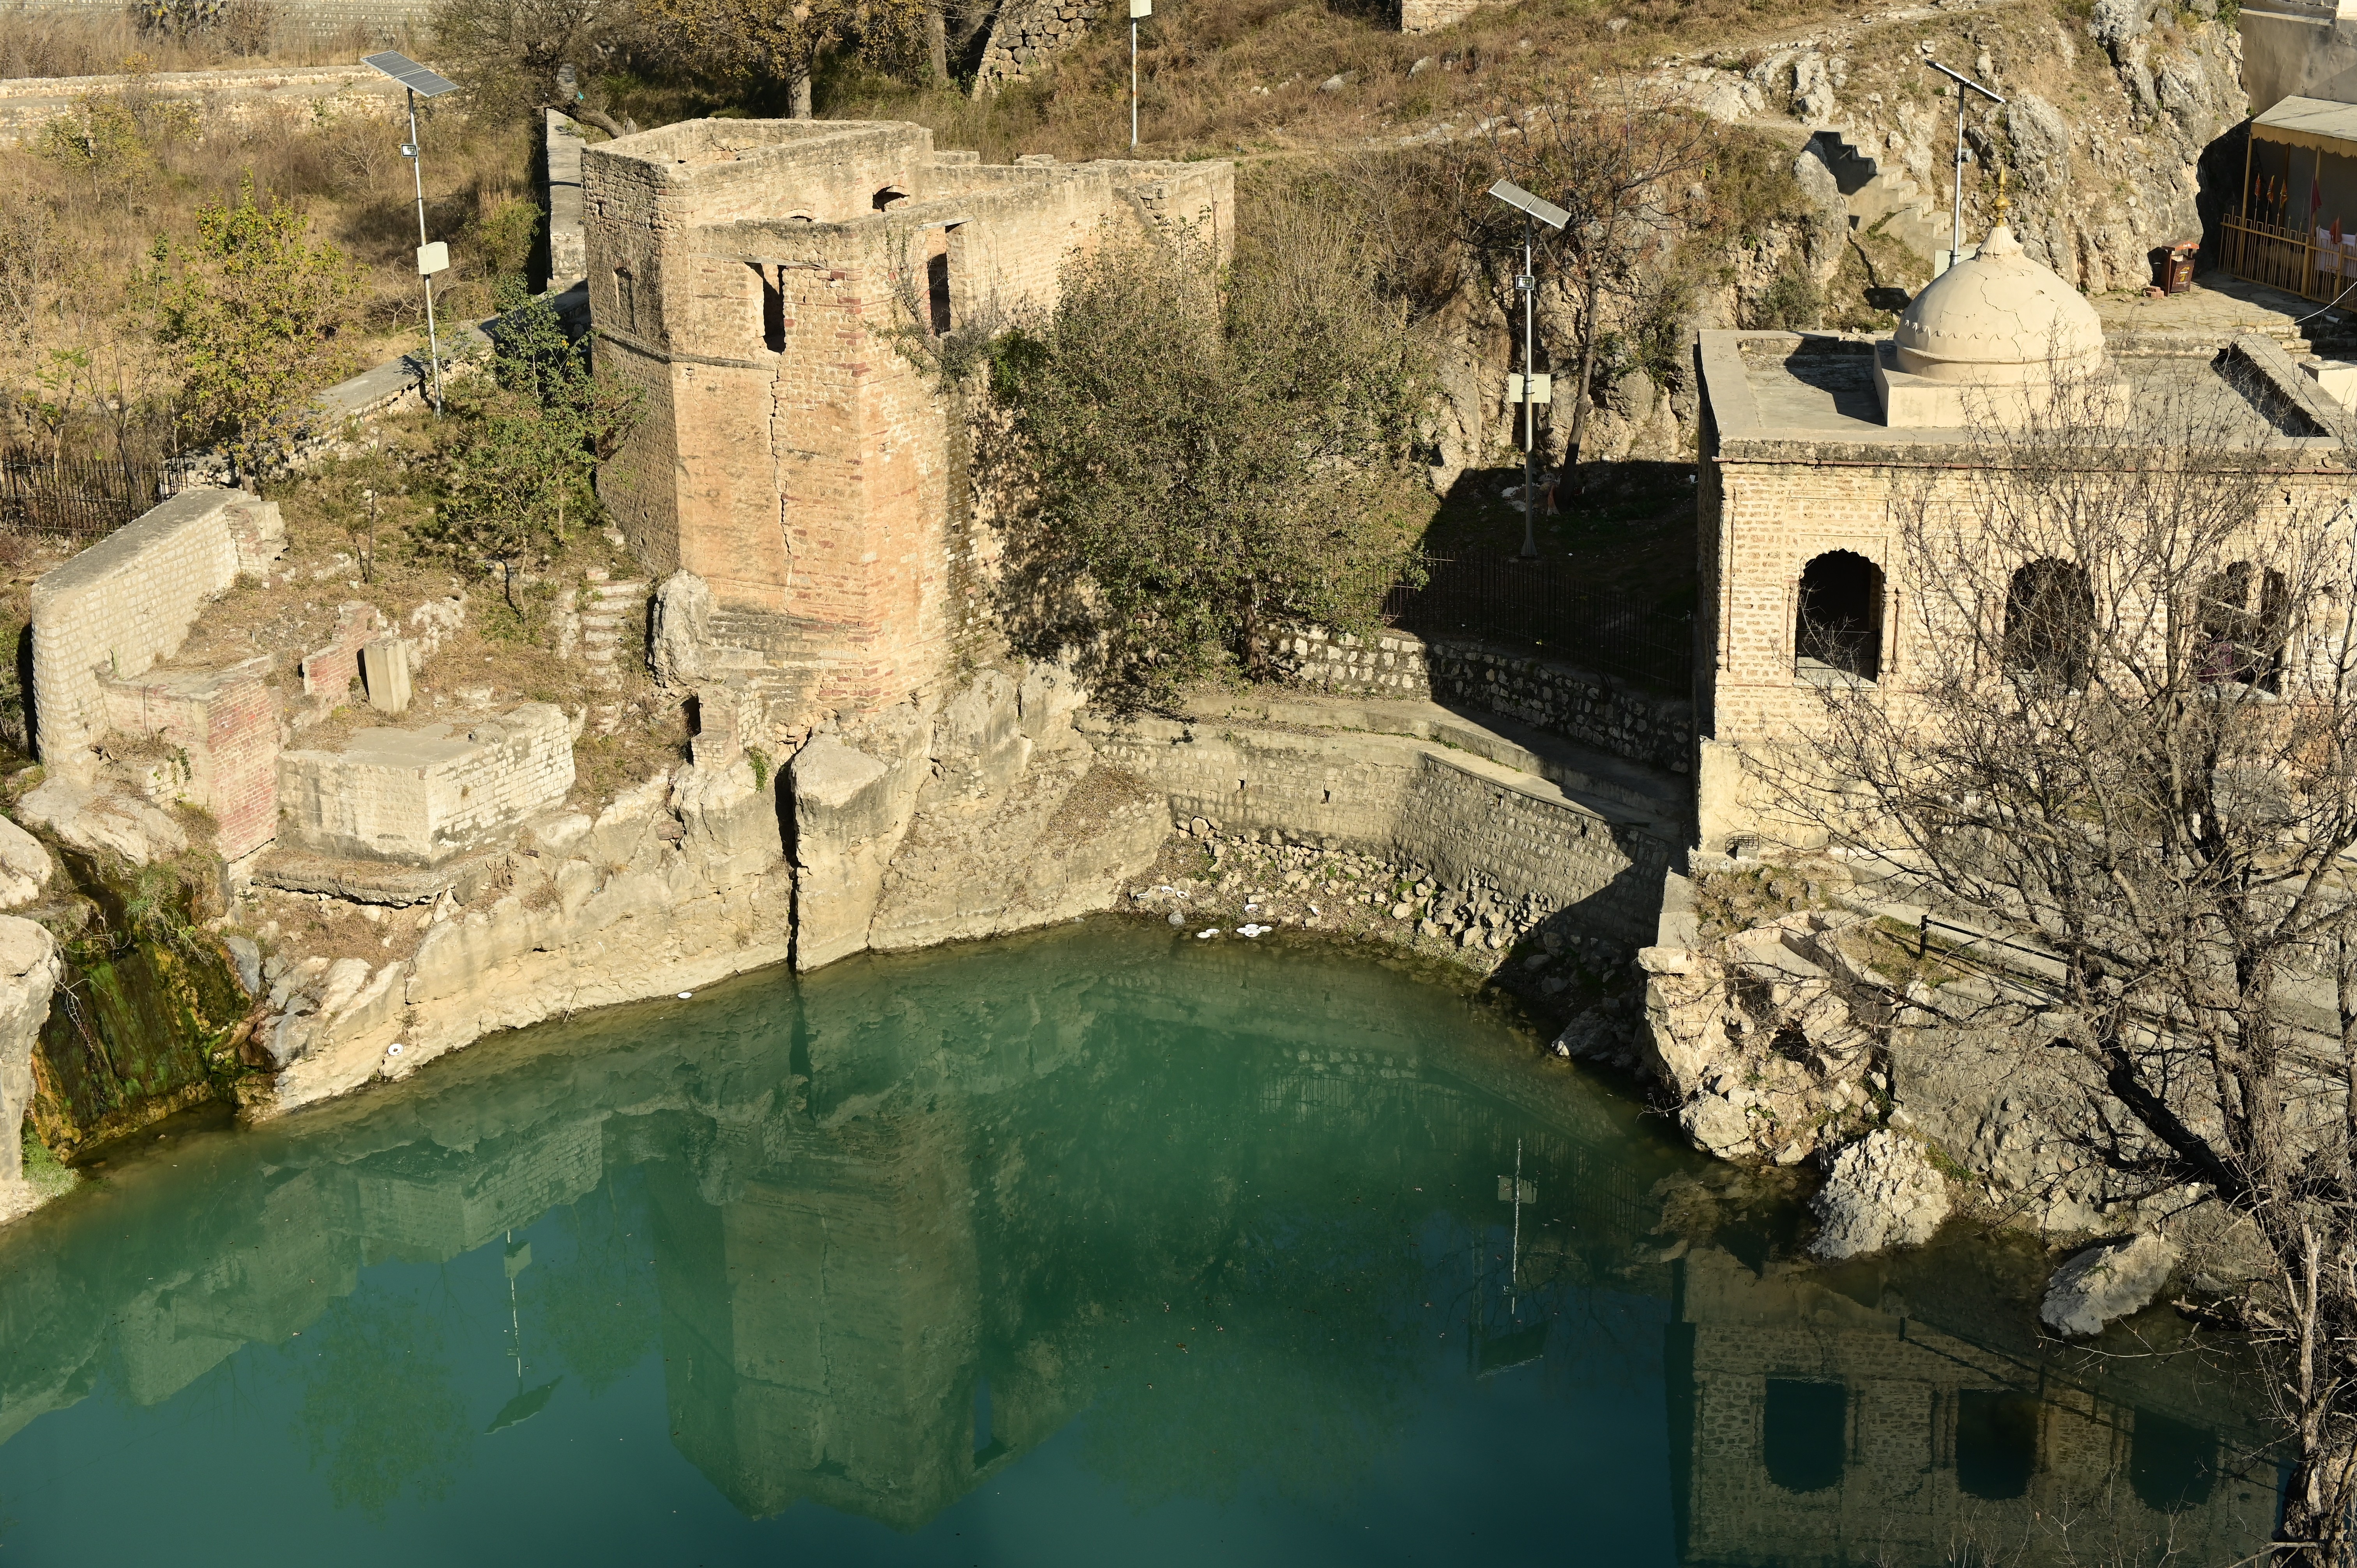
773	285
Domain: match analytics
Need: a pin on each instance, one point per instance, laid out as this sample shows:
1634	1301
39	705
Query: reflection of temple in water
1807	1428
893	1252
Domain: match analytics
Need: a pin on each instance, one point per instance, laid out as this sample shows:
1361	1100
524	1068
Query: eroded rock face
29	968
100	821
1881	1192
2105	1283
25	866
683	616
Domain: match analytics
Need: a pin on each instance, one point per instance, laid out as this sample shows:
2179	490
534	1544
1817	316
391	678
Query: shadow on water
1196	1225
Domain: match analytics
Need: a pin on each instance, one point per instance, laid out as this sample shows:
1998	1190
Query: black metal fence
1548	604
76	499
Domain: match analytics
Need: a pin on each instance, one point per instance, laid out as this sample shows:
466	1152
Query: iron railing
1552	605
75	498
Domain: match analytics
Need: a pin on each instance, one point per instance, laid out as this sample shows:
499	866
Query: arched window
892	195
2050	625
2245	622
1840	620
1996	1443
1803	1435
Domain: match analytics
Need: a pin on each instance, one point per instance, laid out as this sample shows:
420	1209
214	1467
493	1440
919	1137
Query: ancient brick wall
126	603
225	724
419	796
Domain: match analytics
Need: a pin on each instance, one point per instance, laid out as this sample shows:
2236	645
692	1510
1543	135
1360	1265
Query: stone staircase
609	606
768	656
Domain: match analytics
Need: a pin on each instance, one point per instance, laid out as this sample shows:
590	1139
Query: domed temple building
1815	446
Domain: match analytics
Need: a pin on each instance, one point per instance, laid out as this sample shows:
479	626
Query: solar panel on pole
409	74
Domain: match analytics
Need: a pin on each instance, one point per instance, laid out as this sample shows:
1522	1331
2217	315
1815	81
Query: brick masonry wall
225	722
124	604
1467	819
419	796
1559	698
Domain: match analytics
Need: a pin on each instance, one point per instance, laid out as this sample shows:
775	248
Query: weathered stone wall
418	797
1562	699
228	98
126	603
376	21
568	256
1469	820
1028	33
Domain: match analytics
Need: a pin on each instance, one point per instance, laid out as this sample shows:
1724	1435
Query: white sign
1140	9
1542	389
434	258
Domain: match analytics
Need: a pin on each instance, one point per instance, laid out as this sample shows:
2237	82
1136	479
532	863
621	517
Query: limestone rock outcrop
1880	1192
25	866
982	813
30	969
2105	1283
101	821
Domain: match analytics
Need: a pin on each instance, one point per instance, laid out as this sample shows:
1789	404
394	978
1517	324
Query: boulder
683	616
2107	1281
1881	1192
25	866
102	824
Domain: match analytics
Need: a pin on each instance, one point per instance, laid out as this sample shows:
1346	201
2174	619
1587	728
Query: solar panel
412	75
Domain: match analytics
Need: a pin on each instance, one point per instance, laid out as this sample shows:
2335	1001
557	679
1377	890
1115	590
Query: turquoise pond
1095	1245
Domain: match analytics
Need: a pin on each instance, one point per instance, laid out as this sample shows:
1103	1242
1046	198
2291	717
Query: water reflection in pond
1089	1246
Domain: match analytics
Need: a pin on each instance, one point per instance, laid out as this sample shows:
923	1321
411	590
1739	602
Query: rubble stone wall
1562	699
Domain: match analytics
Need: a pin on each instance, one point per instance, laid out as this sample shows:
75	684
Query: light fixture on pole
416	80
1139	11
1531	385
1957	243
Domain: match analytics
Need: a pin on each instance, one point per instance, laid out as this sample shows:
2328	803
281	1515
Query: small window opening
2050	625
936	282
774	310
1803	1435
892	195
2170	1464
1840	615
1996	1443
2244	629
626	297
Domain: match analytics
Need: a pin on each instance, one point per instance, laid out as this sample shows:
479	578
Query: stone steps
601	616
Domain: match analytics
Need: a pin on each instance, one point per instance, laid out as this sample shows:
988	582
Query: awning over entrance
2316	124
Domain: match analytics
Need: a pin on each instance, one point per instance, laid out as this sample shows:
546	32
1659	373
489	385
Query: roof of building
2318	124
1998	316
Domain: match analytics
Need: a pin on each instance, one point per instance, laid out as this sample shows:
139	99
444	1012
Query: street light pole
1528	284
418	172
1956	217
1139	11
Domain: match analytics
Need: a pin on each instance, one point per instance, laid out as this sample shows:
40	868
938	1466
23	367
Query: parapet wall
125	604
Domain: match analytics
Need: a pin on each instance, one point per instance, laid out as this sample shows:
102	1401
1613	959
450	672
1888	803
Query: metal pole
418	169
1530	413
1133	84
1956	239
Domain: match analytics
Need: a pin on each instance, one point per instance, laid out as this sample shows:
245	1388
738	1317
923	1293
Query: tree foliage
757	44
508	53
252	316
1205	454
527	432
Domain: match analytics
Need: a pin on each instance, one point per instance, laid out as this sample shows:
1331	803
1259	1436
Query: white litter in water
1212	932
686	994
1253	930
393	1049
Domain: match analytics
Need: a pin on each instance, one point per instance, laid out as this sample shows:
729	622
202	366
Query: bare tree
2125	738
1622	163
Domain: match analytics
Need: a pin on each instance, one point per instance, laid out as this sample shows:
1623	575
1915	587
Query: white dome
1998	319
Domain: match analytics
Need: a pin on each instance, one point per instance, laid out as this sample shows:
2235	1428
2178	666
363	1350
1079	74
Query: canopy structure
2296	229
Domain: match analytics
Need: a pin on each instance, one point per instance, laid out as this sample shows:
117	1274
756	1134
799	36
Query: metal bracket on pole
1956	240
415	79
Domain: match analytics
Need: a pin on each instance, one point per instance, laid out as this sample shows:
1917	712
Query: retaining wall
234	97
1562	699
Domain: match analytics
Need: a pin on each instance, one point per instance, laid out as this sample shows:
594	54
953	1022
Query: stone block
384	670
224	725
423	796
